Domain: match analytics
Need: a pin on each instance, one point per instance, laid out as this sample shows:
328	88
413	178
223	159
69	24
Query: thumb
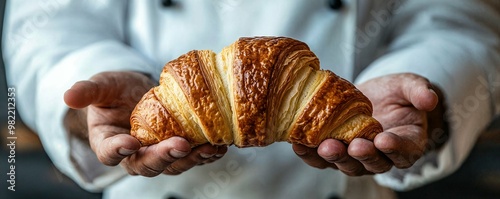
420	93
102	90
82	94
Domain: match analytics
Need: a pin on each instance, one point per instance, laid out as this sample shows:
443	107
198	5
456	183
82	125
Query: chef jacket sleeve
455	44
48	46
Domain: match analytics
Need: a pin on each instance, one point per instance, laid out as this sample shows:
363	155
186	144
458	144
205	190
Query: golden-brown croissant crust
257	91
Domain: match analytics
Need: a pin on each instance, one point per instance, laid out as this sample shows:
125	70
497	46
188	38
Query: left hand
104	104
401	103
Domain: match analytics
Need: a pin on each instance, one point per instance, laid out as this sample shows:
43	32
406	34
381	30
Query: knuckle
376	164
170	173
382	168
108	156
147	171
108	161
167	160
137	167
210	160
316	162
340	159
173	170
131	172
403	165
332	158
368	160
354	171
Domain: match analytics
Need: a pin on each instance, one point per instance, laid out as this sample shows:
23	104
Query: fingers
152	160
112	144
420	93
372	159
359	158
310	156
202	154
172	156
334	151
221	151
331	153
403	149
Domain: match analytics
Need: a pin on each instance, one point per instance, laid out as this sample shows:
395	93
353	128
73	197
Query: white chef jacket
51	44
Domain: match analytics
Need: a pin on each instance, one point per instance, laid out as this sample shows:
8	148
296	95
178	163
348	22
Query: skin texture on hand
102	106
401	104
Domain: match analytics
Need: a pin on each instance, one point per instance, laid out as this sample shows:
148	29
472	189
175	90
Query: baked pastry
257	91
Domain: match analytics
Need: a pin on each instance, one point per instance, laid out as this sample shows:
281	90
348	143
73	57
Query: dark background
36	177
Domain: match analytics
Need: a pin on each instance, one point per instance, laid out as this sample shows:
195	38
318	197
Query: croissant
256	91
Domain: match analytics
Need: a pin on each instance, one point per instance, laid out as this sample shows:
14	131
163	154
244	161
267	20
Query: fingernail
219	155
178	154
432	91
206	156
125	152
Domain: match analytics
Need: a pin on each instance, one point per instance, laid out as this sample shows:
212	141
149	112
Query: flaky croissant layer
254	92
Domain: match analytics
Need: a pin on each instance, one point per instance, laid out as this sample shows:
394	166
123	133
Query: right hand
403	104
107	101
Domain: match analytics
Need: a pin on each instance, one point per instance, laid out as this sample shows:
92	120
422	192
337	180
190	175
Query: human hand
401	103
106	102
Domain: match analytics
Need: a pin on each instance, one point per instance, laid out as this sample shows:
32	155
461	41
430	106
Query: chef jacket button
335	4
167	3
